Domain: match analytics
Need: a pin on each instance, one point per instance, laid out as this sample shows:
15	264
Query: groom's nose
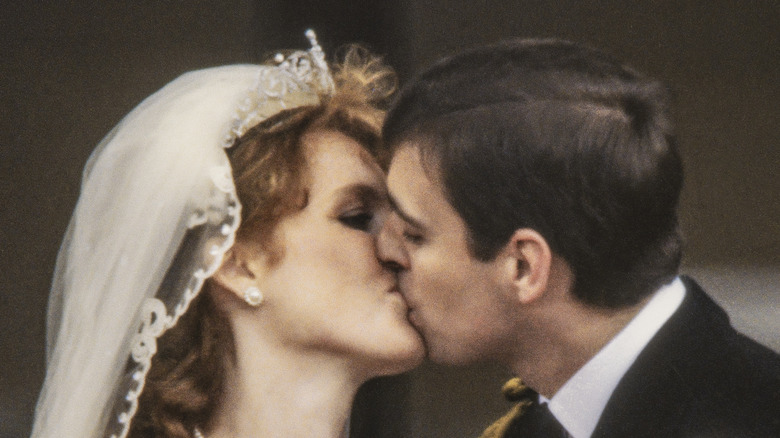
390	246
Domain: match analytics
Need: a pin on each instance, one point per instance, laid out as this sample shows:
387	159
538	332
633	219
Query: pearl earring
253	296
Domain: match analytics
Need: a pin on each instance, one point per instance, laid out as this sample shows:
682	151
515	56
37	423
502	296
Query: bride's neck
275	391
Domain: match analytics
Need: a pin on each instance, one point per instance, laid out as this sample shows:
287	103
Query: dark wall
70	71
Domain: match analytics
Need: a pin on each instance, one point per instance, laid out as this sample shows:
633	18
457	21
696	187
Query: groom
536	185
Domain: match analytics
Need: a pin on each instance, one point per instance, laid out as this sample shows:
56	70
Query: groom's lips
410	313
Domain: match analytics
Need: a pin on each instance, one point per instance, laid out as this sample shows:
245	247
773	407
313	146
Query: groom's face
455	300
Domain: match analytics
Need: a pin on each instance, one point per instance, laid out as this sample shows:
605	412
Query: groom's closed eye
413	229
413	237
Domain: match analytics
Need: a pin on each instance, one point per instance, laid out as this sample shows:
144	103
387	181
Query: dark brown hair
557	137
186	379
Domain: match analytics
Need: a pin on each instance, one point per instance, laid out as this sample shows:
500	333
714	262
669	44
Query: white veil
158	207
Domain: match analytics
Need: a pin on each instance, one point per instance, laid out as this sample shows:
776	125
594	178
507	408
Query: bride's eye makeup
357	206
358	219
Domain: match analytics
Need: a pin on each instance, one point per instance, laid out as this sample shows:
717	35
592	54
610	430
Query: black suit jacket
697	377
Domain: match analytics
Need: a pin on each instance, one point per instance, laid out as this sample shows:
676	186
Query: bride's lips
396	294
408	310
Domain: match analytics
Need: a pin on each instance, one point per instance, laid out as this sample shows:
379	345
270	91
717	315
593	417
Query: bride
218	277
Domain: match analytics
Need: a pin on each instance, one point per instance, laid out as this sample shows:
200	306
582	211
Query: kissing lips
411	315
398	300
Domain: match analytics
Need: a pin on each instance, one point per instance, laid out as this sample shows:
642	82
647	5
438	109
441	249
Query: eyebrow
362	191
404	215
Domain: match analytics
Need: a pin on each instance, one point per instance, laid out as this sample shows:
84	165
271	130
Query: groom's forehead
415	190
422	155
413	167
408	183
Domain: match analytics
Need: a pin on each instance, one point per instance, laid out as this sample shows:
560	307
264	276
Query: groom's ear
528	263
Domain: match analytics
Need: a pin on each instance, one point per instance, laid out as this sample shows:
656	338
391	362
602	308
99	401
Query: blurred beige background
71	70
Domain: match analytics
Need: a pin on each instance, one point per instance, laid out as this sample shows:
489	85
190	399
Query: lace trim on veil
156	319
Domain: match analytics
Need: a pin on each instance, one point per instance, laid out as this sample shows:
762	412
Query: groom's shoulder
716	378
702	332
700	345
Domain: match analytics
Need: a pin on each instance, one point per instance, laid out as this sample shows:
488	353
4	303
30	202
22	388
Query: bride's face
329	293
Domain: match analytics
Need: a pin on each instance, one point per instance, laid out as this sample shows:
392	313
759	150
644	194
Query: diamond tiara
299	78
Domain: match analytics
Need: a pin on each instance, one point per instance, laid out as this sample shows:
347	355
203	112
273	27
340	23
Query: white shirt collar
581	400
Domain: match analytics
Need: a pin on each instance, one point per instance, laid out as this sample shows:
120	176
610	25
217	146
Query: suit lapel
654	396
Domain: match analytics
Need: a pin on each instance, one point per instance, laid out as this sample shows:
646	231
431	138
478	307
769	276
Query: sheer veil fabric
156	213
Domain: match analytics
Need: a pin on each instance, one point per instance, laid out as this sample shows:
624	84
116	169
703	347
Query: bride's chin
405	358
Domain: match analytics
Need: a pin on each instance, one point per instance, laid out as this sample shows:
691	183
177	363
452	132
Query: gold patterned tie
515	391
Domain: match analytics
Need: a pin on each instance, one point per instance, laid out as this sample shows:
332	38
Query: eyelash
358	220
413	238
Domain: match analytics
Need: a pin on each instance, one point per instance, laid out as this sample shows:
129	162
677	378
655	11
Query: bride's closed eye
359	206
358	219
